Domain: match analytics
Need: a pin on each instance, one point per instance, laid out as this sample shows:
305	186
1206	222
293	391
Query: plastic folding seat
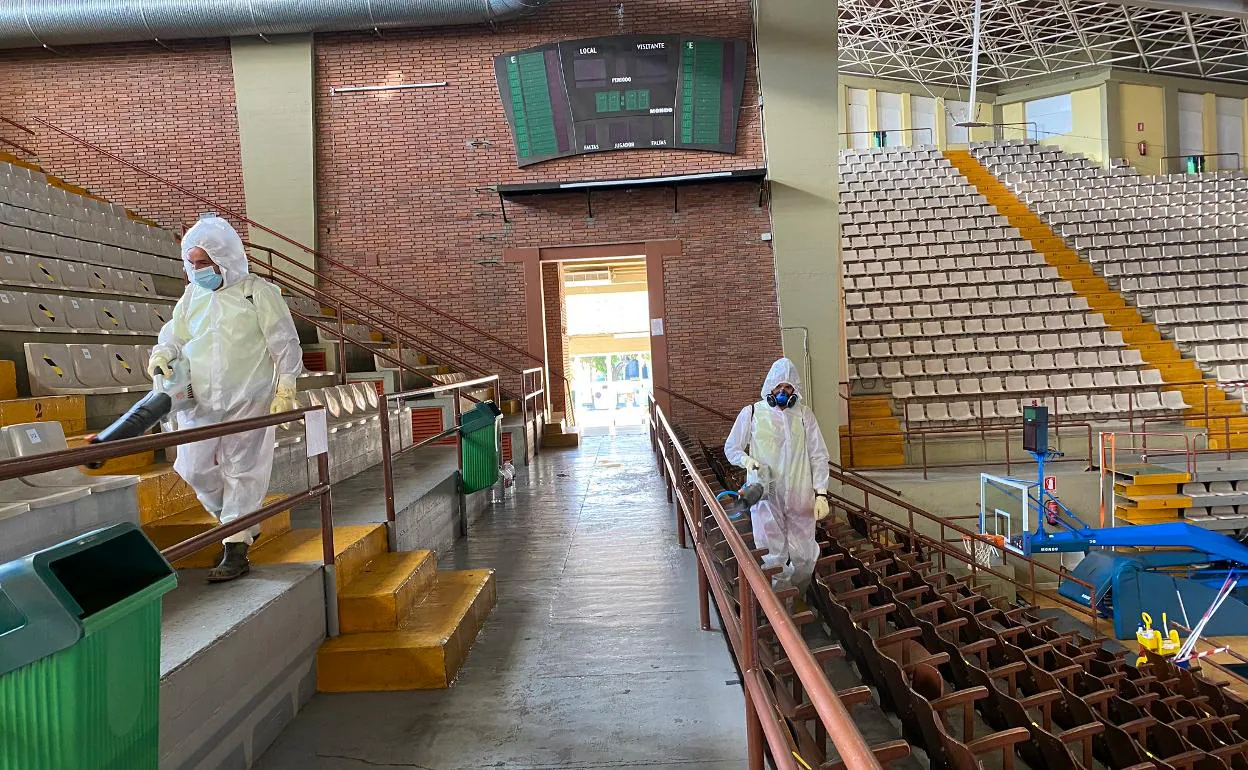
964	345
45	271
1029	343
1173	400
934	367
912	368
943	347
902	390
937	412
14	269
1037	382
1089	359
1131	357
1147	401
1125	402
922	347
35	438
1065	360
960	411
138	317
51	369
890	370
915	414
957	366
1102	404
924	389
1074	405
80	314
1000	364
1059	382
932	329
953	327
969	386
128	364
868	370
978	365
47	312
15	312
1007	343
880	350
109	316
1008	409
859	351
92	369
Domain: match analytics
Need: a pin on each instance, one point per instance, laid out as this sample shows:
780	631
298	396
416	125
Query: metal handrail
287	279
912	511
98	453
763	723
217	205
387	456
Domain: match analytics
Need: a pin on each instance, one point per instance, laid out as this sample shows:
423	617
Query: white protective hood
783	372
222	242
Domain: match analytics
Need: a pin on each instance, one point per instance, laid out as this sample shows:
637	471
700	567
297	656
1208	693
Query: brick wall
403	178
171	111
556	307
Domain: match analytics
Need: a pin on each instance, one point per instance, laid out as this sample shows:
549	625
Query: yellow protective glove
821	504
283	400
159	363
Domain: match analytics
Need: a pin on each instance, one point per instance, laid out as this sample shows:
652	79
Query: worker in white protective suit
236	334
778	438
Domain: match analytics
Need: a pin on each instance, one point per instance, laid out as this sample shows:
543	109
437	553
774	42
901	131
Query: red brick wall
170	111
403	182
556	306
403	177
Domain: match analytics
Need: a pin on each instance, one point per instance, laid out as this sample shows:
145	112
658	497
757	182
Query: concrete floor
592	658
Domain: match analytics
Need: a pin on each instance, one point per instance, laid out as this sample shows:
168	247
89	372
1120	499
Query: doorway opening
606	342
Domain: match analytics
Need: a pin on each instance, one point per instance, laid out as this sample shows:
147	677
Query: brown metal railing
1134	417
388	454
944	525
385	289
765	728
533	402
98	453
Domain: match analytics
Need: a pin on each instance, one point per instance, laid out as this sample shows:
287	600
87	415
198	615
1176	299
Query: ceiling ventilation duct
56	23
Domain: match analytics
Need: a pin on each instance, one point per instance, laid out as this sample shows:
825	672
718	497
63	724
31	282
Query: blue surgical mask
207	278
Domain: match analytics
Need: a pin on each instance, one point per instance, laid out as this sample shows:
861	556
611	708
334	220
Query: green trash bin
80	654
479	447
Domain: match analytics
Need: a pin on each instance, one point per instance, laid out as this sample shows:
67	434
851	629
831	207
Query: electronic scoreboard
622	93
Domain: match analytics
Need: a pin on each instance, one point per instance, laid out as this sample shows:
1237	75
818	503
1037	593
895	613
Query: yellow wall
875	87
594	344
1088	132
1142	104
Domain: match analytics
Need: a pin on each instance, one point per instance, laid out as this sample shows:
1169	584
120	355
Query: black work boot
233	564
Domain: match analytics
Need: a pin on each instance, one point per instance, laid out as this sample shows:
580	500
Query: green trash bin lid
51	598
483	415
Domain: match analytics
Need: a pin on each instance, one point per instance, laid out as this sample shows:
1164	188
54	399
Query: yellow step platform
426	653
69	411
354	546
1154	502
8	380
386	591
162	492
869	407
171	530
118	466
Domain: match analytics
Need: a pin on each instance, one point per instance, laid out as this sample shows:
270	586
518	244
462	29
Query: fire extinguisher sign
1050	483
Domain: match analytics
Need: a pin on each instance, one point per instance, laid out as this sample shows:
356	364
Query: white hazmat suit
242	347
790	446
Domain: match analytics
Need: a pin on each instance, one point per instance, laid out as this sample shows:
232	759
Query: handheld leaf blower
169	396
757	487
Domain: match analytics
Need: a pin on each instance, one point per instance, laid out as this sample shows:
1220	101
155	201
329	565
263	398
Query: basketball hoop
985	549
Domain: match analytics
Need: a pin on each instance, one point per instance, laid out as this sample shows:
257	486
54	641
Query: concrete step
425	653
354	547
171	530
383	595
560	436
